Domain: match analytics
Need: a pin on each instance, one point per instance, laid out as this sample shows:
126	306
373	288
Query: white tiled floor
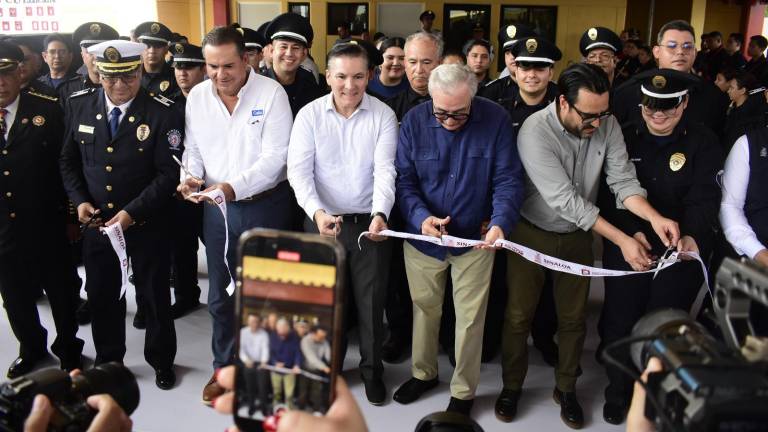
180	409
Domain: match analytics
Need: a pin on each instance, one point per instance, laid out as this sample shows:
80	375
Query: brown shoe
211	391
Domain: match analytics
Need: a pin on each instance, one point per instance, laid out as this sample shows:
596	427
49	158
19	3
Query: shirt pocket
427	163
254	129
478	165
87	143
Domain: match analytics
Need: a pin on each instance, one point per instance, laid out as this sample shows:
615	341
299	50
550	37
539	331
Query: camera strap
216	197
117	239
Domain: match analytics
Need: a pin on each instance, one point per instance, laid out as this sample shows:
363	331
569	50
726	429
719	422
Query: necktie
3	126
114	121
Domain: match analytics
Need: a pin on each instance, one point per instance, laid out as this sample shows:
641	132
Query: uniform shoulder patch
164	100
82	92
43	96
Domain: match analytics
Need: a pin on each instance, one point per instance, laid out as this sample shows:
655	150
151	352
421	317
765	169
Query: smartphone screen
288	325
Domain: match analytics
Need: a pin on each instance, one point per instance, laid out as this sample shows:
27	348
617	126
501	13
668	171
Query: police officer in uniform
503	88
189	68
291	36
601	46
32	222
117	168
29	70
677	162
157	76
266	61
85	36
254	47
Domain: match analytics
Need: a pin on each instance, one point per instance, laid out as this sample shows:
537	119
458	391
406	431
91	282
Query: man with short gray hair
457	169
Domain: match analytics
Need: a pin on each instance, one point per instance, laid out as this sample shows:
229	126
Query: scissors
669	256
88	223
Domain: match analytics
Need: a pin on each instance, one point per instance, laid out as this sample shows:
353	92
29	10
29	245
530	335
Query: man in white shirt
341	167
254	353
237	140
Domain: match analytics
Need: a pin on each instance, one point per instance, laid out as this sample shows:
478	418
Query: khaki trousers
471	276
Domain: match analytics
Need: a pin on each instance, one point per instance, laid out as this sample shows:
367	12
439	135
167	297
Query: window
299	8
354	14
459	21
543	19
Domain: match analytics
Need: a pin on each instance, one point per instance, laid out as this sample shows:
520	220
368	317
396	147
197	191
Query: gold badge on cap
38	120
511	31
531	45
142	132
164	85
180	48
676	161
95	29
659	82
592	33
154	28
112	54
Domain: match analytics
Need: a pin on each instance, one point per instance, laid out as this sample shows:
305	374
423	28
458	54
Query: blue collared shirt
473	175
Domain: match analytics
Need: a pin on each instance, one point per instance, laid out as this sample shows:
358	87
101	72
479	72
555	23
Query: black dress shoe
138	320
165	378
24	365
181	308
375	391
460	406
393	350
413	389
506	405
83	313
570	410
614	413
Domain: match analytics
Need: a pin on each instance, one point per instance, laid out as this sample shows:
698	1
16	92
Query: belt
356	217
264	194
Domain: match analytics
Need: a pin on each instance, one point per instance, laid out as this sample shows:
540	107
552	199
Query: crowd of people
401	134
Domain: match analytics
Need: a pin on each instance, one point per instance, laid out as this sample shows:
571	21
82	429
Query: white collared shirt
247	148
123	108
10	115
732	218
343	165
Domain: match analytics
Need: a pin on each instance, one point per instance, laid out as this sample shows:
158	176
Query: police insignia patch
659	82
676	161
95	29
142	132
511	31
531	45
164	85
154	28
592	33
38	120
179	48
112	54
174	138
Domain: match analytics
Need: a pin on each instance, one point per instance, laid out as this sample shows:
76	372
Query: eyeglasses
443	116
670	112
602	57
57	52
685	46
588	118
126	79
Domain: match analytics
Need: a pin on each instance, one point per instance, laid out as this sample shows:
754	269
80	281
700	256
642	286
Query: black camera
67	395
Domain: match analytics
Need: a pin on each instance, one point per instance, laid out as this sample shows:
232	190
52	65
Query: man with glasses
157	76
677	163
457	168
117	169
564	148
58	56
676	50
600	46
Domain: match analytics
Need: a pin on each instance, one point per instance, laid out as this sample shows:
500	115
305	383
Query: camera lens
111	378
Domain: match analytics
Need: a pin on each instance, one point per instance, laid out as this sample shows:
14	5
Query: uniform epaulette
163	100
491	82
82	92
43	96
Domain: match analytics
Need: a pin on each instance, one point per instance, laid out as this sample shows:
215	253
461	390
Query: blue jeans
272	211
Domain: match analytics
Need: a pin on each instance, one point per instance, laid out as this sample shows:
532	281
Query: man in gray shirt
564	148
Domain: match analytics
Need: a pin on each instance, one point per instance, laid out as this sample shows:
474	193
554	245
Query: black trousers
46	261
366	290
148	250
257	387
187	225
399	307
629	298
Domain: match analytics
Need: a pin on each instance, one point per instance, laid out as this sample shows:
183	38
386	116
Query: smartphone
289	322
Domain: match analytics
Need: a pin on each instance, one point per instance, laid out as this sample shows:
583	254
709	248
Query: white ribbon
541	259
217	197
116	237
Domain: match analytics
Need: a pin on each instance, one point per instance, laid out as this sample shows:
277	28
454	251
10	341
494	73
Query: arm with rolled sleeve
619	171
384	164
301	162
408	192
735	181
508	185
545	170
274	149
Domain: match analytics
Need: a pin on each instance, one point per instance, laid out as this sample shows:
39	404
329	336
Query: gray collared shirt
563	171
